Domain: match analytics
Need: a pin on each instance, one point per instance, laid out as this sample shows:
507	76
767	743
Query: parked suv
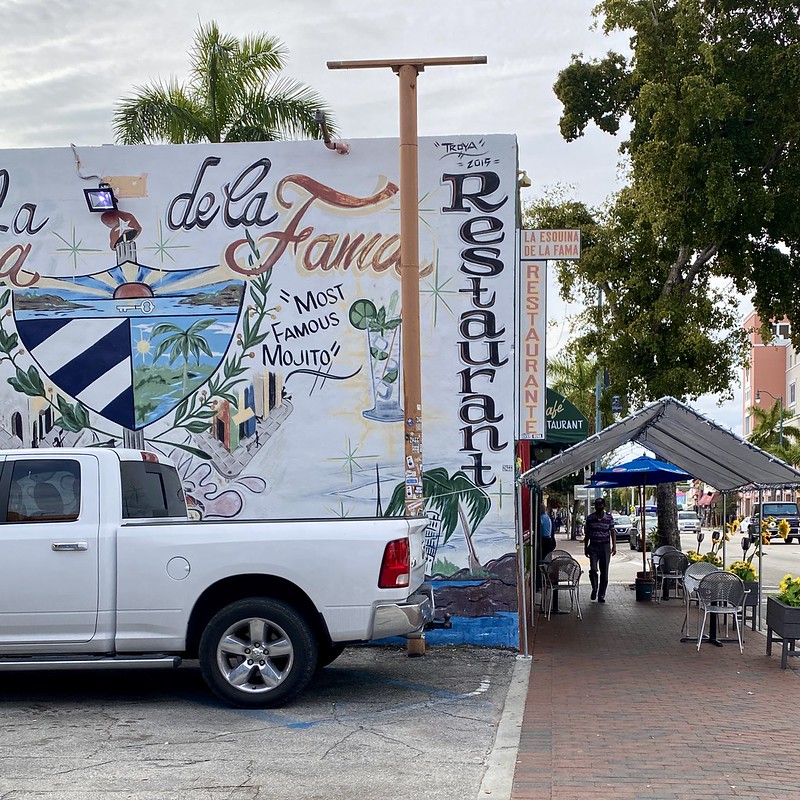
688	522
778	511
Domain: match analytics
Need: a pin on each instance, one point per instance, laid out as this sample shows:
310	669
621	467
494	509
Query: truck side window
44	491
150	490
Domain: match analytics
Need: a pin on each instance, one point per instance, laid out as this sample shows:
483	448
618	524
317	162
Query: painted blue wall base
501	630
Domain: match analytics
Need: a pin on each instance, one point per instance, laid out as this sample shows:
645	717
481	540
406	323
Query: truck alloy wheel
257	653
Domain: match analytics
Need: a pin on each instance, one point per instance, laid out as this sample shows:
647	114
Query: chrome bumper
401	619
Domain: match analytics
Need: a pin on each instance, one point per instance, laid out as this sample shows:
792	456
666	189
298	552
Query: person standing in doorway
546	532
599	544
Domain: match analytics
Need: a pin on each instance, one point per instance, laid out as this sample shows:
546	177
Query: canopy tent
684	437
676	433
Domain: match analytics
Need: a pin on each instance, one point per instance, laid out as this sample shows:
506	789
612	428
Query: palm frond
234	94
159	113
261	58
477	501
287	107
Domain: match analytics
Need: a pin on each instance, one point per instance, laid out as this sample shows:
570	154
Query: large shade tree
709	94
236	92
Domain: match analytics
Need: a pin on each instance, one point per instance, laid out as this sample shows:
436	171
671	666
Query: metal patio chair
721	594
562	575
671	568
657	555
556	554
691	580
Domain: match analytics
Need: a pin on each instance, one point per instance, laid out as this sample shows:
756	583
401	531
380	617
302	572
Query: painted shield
132	342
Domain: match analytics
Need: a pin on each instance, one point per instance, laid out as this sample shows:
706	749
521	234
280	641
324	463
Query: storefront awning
565	422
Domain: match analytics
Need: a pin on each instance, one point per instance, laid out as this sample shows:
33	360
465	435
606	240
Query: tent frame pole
760	552
724	530
523	606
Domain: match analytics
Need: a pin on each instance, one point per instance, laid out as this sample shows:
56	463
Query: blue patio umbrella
643	471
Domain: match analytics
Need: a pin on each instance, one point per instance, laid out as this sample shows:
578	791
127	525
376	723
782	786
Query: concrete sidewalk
618	707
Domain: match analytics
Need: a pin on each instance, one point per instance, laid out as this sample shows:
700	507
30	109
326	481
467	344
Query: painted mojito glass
382	329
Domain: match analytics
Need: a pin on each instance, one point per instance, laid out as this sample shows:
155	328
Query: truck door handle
70	545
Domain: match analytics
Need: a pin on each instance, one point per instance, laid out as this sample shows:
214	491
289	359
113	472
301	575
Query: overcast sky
64	64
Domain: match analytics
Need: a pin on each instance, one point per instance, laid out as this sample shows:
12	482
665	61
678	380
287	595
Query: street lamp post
780	412
407	70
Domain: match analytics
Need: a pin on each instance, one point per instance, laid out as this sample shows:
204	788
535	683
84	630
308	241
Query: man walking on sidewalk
599	544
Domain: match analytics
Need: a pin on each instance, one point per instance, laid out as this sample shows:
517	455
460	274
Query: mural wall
240	313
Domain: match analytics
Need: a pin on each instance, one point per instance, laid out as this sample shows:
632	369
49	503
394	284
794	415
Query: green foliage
445	493
771	433
711	92
29	382
744	570
444	568
235	93
710	557
179	343
73	418
789	590
573	373
8	342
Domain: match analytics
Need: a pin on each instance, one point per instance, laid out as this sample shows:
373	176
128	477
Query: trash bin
644	588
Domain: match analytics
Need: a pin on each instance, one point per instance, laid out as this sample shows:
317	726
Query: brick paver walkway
618	708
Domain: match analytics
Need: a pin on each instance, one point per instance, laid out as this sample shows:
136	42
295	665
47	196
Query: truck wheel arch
258	653
239	587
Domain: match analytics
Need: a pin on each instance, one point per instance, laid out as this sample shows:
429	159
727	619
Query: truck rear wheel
257	653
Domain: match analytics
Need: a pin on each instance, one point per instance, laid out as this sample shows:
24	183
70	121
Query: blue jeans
599	559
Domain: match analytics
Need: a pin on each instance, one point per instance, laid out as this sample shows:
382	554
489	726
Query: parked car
688	522
624	525
635	540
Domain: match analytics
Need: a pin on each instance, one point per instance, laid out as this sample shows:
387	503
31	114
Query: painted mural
240	313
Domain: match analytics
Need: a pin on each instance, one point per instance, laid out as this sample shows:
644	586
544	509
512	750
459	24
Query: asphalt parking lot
375	724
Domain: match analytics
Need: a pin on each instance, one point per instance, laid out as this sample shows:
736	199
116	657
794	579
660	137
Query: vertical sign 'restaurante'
536	247
532	321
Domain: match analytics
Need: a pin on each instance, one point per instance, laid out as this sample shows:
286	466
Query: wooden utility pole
407	70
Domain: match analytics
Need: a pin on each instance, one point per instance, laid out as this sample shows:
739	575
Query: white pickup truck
100	567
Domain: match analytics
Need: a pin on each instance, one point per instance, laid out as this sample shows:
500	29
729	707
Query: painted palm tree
769	430
235	93
179	343
456	498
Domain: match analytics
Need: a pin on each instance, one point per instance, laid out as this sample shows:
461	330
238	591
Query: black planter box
751	599
784	621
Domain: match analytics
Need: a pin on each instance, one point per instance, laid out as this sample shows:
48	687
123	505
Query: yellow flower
783	529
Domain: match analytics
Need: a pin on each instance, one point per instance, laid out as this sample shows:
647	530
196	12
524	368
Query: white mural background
285	259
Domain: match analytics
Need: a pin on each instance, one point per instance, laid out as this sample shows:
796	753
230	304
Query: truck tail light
396	565
149	456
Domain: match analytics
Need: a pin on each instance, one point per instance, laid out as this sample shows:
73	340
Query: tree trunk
574	531
667	515
473	562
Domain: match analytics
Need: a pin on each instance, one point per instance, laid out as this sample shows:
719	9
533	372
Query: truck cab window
44	491
150	490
